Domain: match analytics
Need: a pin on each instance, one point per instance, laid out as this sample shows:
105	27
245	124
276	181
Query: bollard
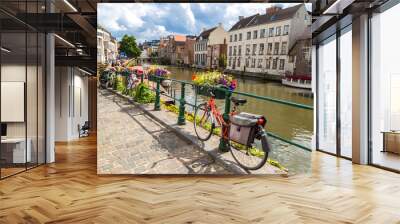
181	116
142	77
157	102
223	142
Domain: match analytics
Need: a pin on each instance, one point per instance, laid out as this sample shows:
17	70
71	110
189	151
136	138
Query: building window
276	48
230	62
259	63
274	63
247	62
262	33
240	37
281	64
261	51
235	37
253	62
291	58
230	51
283	48
240	50
254	49
286	30
269	51
248	35
268	63
247	49
234	50
306	54
271	32
230	38
238	61
278	31
255	32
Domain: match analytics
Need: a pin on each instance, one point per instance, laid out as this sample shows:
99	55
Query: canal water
288	122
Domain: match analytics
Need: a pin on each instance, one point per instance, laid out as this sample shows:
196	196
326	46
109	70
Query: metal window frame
381	9
339	32
44	75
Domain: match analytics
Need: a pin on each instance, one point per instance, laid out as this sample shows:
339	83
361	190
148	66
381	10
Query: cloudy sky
147	21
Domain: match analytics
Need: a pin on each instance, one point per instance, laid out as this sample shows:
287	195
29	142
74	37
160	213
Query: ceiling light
86	72
70	5
64	40
5	50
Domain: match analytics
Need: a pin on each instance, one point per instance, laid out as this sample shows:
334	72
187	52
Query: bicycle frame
217	116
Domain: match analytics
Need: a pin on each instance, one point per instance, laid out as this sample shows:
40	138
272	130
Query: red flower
194	76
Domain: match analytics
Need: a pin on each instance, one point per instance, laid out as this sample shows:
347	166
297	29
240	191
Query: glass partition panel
346	92
327	95
385	89
14	153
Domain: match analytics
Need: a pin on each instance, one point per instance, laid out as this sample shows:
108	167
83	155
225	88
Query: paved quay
135	139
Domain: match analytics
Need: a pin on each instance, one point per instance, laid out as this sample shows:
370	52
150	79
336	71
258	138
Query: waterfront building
300	55
258	44
107	47
188	54
210	46
175	49
162	48
151	47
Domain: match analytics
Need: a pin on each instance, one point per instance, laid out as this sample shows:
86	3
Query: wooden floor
69	191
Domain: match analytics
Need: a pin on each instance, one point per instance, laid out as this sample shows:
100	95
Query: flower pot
166	83
205	91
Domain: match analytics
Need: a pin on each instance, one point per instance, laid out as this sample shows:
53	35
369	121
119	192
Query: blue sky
147	21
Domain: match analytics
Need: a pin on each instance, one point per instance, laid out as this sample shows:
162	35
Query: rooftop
179	38
206	33
258	19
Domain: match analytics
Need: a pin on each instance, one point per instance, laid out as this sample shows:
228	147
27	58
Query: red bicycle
241	132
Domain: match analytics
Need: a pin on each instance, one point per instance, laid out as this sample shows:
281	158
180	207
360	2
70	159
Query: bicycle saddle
238	101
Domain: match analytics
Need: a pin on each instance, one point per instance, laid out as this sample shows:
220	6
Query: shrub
143	94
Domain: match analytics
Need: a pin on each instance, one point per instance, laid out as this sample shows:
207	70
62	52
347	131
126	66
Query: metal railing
228	94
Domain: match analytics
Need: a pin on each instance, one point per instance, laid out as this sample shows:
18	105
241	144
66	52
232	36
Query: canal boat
297	81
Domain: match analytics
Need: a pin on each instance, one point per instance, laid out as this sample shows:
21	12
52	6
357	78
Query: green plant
121	85
129	46
143	94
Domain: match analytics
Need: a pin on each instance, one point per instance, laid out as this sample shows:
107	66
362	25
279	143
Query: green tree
129	46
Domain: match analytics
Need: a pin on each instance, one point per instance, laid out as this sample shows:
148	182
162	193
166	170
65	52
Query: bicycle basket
243	128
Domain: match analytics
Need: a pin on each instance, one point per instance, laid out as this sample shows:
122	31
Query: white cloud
147	21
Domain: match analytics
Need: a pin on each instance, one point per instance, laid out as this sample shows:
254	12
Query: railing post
223	142
141	78
181	116
157	102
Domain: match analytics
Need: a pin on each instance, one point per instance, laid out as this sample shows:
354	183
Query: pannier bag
243	128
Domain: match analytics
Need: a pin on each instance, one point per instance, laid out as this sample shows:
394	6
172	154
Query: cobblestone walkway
130	142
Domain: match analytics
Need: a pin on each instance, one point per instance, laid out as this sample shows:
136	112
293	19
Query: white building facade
260	43
107	47
207	39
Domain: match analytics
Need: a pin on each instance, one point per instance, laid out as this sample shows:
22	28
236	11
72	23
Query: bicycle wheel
203	123
251	157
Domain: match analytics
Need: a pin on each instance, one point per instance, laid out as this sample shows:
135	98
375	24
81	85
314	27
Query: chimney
272	10
203	29
241	17
220	24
